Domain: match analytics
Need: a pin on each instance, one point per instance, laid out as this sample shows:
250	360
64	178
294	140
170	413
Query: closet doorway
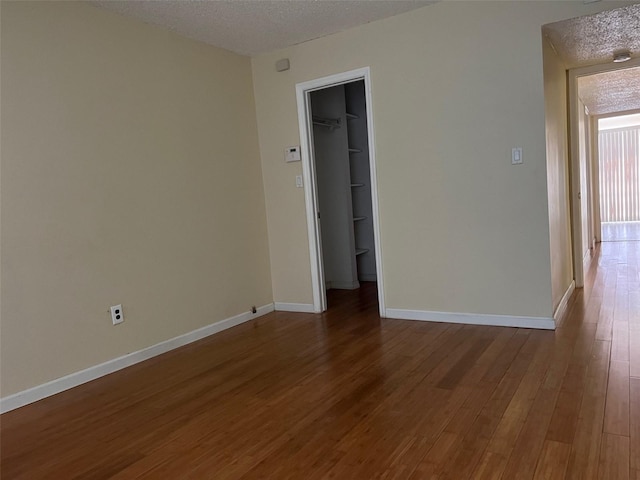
338	160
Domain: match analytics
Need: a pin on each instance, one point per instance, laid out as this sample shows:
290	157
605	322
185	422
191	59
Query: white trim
374	192
309	177
310	200
596	223
561	309
294	307
575	205
58	385
543	323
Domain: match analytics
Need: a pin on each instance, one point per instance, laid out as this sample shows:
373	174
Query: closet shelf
355	150
359	219
353	185
352	116
360	251
327	122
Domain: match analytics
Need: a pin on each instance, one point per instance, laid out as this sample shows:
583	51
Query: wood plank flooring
620	231
346	395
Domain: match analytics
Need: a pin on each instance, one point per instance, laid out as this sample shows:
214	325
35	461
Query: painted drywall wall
130	174
455	86
555	90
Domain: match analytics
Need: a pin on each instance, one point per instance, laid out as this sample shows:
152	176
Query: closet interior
341	154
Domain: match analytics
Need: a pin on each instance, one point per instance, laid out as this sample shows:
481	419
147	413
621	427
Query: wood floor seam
349	395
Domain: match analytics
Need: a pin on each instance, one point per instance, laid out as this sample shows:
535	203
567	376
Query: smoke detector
620	57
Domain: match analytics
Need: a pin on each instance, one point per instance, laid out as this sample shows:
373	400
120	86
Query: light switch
516	156
292	154
299	181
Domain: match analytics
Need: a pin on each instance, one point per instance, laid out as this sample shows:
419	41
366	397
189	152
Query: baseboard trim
368	277
58	385
344	285
294	307
561	309
542	323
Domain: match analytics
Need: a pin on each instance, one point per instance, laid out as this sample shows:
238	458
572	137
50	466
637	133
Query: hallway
348	395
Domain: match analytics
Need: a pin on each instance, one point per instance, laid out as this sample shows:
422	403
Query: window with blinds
619	162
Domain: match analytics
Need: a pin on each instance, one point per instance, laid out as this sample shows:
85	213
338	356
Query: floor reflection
620	231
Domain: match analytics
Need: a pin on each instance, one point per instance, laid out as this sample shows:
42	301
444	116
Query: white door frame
310	187
574	159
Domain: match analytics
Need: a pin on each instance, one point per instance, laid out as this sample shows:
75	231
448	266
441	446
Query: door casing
310	186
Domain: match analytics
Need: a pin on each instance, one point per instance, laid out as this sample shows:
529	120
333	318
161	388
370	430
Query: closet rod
327	122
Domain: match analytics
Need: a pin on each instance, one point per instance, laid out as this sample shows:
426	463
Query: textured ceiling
249	27
611	92
593	39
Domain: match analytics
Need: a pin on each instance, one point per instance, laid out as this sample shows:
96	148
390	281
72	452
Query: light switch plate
516	156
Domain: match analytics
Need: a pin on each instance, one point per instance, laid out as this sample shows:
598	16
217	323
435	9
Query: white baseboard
58	385
561	309
368	277
344	285
294	307
543	323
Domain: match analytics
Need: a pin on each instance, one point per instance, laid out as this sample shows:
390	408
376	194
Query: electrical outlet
116	314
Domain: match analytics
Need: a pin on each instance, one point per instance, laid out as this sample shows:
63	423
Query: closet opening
343	180
340	190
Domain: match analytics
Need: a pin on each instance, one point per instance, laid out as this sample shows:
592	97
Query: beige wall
555	89
455	86
130	174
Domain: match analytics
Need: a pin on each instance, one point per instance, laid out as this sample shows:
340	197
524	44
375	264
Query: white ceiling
250	27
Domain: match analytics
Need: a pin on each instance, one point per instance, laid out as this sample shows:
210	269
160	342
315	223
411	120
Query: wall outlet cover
116	314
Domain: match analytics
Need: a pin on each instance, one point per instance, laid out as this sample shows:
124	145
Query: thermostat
292	154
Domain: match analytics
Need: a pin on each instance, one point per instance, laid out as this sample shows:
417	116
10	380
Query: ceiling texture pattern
611	92
593	40
250	27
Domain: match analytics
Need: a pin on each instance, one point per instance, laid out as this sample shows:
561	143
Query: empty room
302	239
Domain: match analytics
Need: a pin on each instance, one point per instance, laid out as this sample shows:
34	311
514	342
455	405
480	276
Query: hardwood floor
347	395
620	231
